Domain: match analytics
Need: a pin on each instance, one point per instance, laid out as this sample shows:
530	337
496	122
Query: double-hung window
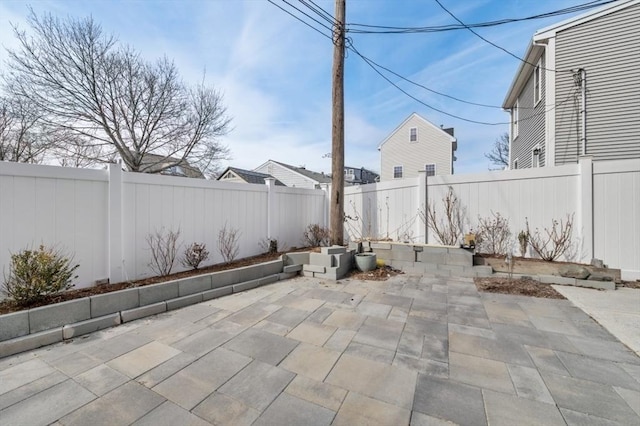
430	169
413	134
397	172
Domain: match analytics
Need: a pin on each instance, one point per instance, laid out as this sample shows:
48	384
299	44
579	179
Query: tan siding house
416	145
603	48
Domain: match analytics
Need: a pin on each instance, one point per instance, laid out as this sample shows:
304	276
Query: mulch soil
379	274
517	286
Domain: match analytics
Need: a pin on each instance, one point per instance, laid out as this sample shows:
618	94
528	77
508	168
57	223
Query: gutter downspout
583	87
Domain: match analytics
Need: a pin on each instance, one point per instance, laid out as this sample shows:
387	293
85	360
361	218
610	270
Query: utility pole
337	131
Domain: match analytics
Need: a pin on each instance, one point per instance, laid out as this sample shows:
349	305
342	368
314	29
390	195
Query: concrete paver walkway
411	350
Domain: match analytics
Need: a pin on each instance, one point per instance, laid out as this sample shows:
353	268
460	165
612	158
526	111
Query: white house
415	145
578	91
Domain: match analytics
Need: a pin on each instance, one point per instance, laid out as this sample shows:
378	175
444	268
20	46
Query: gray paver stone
449	400
13	325
90	325
287	409
143	311
155	293
193	285
59	314
109	303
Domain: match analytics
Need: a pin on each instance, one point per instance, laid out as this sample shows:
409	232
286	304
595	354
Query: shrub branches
554	242
448	230
164	248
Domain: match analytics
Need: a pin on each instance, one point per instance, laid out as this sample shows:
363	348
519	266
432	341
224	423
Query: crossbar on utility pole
337	130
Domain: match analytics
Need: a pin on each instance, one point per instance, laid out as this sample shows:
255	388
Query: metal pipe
583	87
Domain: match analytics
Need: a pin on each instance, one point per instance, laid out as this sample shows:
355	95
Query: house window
413	134
348	172
175	171
515	164
537	86
535	157
515	119
431	169
397	172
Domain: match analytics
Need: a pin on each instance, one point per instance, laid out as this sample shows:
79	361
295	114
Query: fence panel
60	207
294	210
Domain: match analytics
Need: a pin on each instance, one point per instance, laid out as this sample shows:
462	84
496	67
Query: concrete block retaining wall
30	329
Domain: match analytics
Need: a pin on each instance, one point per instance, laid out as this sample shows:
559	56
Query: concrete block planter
30	329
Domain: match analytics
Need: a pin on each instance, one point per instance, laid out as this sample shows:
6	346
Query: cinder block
193	285
332	250
435	257
554	279
183	301
453	268
300	258
380	246
329	275
30	341
292	268
224	278
383	254
91	325
247	285
460	258
155	293
601	285
401	247
344	260
14	325
109	303
217	292
320	259
143	311
260	270
307	274
355	245
403	254
59	314
482	271
418	248
313	268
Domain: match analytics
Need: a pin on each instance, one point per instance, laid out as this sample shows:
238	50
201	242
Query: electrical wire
301	20
318	10
384	29
308	16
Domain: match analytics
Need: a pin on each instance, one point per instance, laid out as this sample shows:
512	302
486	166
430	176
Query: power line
318	10
300	19
384	29
308	16
486	40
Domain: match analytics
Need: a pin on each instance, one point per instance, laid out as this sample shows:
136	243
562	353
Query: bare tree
114	101
22	138
499	154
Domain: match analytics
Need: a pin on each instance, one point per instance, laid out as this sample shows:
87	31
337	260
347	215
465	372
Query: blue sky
275	72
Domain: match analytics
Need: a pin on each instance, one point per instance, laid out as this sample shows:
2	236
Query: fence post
115	224
420	226
325	205
585	206
271	207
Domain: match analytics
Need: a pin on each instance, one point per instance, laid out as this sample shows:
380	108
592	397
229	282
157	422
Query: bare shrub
315	235
268	245
523	241
34	274
448	230
164	247
228	243
194	255
552	243
494	235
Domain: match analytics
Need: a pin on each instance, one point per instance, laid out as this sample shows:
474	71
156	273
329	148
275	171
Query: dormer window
413	134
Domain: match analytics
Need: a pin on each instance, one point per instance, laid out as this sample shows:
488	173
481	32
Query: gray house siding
286	176
608	48
531	133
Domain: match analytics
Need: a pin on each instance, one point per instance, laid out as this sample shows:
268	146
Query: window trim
413	134
435	169
515	120
537	83
401	172
535	159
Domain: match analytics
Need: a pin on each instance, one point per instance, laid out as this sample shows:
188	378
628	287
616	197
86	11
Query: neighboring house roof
447	132
536	45
248	176
318	177
366	176
183	169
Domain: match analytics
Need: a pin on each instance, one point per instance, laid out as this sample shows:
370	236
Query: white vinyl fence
103	217
603	197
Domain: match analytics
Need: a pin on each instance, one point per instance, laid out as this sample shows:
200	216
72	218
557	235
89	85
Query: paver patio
412	350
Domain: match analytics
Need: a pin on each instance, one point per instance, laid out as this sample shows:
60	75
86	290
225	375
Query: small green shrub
34	274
